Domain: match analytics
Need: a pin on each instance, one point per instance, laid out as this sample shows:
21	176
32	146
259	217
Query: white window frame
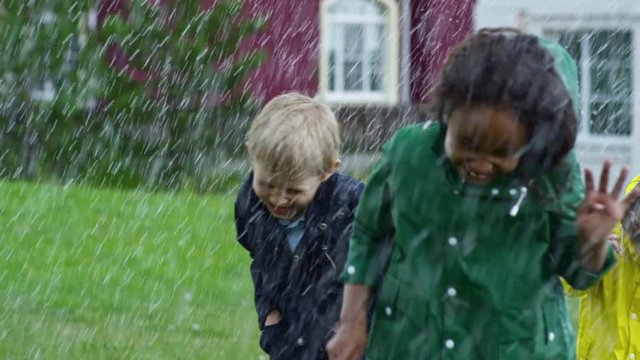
540	24
388	95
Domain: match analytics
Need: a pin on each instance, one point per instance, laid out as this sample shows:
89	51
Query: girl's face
484	142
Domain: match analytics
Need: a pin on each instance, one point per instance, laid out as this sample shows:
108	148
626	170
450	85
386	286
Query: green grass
105	274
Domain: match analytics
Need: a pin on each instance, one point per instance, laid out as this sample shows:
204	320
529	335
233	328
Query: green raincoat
473	271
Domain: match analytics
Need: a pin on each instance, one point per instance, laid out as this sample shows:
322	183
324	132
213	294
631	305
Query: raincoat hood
567	69
632	184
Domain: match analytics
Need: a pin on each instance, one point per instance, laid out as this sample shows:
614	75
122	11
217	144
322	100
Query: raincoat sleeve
578	293
372	229
263	304
566	182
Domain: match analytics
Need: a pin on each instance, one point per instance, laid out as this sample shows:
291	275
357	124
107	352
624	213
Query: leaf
115	26
247	63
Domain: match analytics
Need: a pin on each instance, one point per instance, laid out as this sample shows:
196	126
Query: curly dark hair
505	68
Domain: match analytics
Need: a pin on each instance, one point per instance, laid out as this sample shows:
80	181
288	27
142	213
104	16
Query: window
606	70
359	61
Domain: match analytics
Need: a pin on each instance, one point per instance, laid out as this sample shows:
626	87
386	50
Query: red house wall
292	40
436	27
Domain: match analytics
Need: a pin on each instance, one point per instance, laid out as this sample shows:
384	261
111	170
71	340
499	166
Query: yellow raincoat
609	327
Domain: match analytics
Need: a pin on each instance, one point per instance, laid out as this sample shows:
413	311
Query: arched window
359	52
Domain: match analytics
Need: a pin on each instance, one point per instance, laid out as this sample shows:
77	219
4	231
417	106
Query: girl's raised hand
599	213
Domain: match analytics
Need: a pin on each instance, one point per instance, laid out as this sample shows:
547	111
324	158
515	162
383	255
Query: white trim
634	139
390	80
536	26
585	87
405	51
392	51
358	19
585	19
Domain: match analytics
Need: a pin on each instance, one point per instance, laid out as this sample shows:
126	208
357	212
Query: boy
610	311
293	214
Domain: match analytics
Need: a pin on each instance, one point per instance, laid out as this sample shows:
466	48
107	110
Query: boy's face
284	198
484	142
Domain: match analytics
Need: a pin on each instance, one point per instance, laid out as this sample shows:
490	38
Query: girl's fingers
617	189
613	237
604	177
588	180
616	245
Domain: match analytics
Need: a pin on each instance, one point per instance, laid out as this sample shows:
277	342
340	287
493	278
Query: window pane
621	81
611	45
610	78
375	40
376	70
600	78
353	75
611	63
610	118
610	53
353	41
353	54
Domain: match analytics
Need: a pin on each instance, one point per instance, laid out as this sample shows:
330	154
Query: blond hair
294	136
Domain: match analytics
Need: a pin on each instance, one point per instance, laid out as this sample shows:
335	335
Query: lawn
105	274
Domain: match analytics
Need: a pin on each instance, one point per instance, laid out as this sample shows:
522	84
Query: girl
481	212
610	311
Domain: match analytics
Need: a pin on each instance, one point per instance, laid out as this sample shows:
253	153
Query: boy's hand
271	339
598	214
273	318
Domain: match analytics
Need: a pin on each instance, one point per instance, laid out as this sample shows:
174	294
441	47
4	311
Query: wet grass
105	274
